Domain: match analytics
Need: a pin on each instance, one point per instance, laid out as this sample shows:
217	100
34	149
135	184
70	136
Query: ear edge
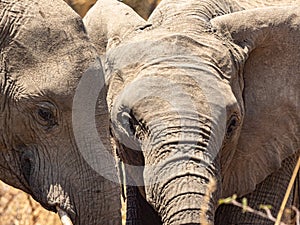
238	26
256	42
109	22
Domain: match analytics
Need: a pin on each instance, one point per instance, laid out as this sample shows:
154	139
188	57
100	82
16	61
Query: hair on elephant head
204	89
45	54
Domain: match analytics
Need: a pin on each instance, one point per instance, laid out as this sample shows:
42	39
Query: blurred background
142	7
18	208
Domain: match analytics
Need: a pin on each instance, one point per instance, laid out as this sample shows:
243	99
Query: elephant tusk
64	218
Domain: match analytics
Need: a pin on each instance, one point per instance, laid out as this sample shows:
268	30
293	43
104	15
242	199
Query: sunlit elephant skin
203	89
44	52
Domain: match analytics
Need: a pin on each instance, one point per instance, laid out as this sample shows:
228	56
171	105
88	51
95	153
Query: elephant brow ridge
13	16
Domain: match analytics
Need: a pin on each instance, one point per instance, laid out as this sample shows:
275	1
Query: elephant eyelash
132	126
138	127
140	130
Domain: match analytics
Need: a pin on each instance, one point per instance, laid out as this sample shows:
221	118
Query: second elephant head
45	56
200	91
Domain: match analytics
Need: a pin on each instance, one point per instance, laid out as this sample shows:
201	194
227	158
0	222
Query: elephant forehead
195	88
34	32
54	79
45	49
161	47
40	44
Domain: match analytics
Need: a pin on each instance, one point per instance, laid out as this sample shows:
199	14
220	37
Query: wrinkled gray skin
202	89
44	52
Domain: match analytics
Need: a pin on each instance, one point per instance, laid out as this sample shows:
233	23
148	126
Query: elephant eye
232	125
45	115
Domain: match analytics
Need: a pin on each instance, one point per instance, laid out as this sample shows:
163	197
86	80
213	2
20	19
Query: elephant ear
269	38
108	22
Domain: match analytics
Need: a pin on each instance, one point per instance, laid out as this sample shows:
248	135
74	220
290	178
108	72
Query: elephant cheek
28	166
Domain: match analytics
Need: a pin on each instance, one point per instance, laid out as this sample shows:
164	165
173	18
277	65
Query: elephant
45	54
201	91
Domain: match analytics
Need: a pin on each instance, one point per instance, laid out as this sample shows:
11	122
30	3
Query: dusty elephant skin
44	53
202	89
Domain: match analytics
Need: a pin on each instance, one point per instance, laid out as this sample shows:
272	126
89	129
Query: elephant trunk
183	164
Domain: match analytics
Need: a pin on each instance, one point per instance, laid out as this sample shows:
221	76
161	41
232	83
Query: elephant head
200	91
45	54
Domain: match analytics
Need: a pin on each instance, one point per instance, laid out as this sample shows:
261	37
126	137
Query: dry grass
290	215
18	208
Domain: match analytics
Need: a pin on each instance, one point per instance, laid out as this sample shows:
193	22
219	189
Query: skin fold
203	89
44	54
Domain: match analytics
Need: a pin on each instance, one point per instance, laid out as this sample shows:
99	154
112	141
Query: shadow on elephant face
45	52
